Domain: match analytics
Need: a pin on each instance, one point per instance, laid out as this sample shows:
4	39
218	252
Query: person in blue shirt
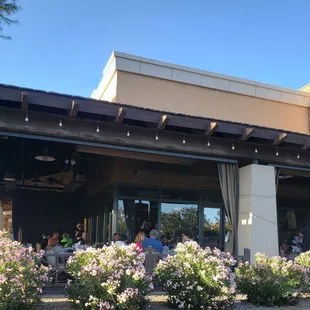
153	242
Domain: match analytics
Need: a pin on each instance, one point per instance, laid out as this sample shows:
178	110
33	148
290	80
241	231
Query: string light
251	215
298	156
184	141
98	128
128	132
256	150
209	143
277	153
156	136
60	122
26	117
233	147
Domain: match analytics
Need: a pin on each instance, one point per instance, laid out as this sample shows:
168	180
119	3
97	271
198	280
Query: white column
258	228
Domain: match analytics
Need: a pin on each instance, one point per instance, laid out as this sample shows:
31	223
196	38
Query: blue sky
63	45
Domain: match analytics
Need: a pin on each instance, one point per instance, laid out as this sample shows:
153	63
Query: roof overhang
72	109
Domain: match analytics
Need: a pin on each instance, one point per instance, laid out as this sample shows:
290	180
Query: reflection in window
175	216
212	227
121	219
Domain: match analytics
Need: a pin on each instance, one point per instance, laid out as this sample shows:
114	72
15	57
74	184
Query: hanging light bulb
156	136
209	144
26	117
98	128
277	153
60	122
256	150
128	132
184	141
233	147
298	156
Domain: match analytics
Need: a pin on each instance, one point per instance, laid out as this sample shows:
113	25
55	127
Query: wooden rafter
212	127
74	109
247	133
120	115
280	138
24	101
306	146
164	119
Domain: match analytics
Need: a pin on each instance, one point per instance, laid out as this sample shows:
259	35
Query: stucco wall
155	93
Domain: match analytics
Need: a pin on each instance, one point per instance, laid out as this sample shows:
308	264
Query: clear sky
63	45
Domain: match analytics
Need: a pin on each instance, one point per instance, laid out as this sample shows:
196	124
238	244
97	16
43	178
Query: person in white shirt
121	240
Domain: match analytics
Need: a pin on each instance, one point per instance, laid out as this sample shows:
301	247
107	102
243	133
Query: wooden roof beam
24	101
74	109
120	115
164	119
212	127
247	133
306	146
280	139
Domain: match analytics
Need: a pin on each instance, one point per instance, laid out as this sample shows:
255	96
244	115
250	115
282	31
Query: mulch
158	302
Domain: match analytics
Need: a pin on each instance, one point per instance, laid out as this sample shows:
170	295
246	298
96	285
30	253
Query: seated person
184	235
297	243
44	241
53	241
153	241
79	232
121	240
66	241
84	240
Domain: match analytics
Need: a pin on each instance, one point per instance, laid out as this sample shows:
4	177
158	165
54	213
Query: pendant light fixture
45	156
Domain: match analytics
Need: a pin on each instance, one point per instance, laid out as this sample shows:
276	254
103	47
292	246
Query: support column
258	227
115	210
1	217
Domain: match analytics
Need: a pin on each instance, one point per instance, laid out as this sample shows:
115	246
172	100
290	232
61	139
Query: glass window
122	219
135	216
176	216
212	227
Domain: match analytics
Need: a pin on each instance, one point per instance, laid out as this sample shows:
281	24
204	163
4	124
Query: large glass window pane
122	219
212	227
176	216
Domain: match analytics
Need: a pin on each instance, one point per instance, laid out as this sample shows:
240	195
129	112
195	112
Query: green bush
303	259
271	281
108	278
21	275
197	278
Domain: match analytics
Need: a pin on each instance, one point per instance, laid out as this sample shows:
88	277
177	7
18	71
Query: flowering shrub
21	277
271	281
303	259
197	278
108	278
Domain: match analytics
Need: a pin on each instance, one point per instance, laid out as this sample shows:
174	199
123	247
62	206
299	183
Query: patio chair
151	259
52	259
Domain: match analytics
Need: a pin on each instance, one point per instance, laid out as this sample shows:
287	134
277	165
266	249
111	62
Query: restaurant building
158	146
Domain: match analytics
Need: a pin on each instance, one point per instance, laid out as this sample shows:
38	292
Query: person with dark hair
184	235
115	237
44	241
121	241
79	232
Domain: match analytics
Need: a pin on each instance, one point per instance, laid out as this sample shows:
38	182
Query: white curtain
229	180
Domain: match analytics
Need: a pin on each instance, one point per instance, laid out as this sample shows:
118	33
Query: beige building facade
152	84
163	86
